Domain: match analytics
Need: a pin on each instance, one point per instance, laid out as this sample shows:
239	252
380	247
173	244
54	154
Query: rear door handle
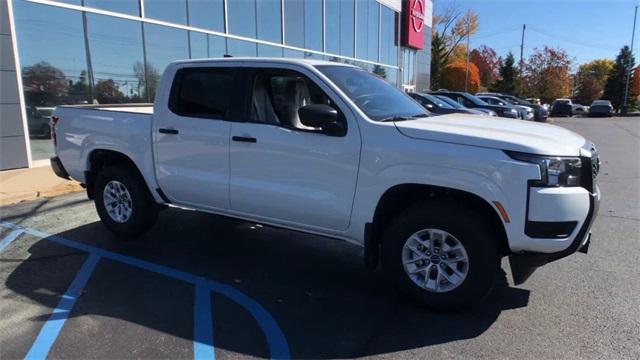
244	139
168	131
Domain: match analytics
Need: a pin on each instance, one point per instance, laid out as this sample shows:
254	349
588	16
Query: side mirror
321	116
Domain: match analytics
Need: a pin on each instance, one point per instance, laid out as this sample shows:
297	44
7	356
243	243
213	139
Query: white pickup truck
329	149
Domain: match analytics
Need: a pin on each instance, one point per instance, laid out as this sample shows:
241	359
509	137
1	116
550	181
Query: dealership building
114	51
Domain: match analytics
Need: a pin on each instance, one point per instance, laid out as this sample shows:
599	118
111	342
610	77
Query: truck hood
493	132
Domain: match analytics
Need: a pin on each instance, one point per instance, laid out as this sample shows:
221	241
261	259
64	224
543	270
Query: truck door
191	138
285	172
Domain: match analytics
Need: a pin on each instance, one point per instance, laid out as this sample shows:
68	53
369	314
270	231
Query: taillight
54	121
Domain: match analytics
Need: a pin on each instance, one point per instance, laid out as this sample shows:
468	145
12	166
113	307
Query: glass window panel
216	46
388	47
207	14
310	55
164	45
340	26
130	7
347	13
116	59
373	20
293	54
72	2
242	17
294	22
241	48
198	45
269	51
211	100
50	76
362	28
313	24
332	26
174	11
269	20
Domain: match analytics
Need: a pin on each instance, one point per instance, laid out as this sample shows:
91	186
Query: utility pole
466	75
524	27
625	106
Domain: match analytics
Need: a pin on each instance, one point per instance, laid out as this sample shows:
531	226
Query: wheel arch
401	196
98	159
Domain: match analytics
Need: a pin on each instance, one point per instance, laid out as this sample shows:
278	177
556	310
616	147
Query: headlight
554	170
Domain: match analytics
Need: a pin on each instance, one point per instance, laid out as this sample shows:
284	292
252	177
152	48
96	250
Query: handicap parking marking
14	234
51	328
203	322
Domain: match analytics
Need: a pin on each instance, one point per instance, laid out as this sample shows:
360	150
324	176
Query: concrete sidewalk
32	183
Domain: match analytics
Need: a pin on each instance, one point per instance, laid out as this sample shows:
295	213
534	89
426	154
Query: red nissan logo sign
417	15
413	24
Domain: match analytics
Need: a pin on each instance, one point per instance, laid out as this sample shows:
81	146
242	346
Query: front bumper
524	264
562	208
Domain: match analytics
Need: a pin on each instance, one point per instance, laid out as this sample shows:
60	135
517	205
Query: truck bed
130	108
122	128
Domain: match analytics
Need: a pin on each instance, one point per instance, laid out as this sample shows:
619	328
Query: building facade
114	51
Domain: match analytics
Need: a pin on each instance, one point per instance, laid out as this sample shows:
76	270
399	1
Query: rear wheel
123	202
442	257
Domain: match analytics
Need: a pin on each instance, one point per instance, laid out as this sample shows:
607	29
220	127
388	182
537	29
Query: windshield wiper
403	118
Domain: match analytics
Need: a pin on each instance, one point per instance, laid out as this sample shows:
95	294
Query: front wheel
123	202
443	257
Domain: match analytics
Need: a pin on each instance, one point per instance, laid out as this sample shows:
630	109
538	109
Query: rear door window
202	92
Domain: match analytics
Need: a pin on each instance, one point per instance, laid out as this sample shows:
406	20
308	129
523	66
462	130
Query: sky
587	30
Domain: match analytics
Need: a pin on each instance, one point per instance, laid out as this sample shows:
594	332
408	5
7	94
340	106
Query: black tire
477	237
144	209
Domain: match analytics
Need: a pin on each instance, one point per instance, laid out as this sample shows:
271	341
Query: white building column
13	139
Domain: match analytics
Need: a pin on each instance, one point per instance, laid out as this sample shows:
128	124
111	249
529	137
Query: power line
574	41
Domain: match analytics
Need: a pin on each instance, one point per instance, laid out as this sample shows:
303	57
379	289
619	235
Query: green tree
615	86
437	59
450	28
507	82
591	79
149	77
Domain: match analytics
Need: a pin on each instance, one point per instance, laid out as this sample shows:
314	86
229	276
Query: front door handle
244	139
168	131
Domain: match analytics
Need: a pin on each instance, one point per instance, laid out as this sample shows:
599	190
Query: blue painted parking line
14	234
53	325
203	336
202	324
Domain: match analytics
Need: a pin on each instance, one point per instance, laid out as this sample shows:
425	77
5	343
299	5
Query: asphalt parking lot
200	285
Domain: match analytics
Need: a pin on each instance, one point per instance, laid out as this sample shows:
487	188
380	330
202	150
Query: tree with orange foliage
634	85
454	74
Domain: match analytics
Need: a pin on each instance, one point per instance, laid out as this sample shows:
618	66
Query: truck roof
312	62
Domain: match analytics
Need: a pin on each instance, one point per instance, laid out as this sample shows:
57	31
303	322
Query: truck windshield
378	99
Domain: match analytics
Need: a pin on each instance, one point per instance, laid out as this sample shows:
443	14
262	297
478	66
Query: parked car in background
562	107
535	101
601	108
473	102
39	119
524	112
459	106
438	106
579	109
540	112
